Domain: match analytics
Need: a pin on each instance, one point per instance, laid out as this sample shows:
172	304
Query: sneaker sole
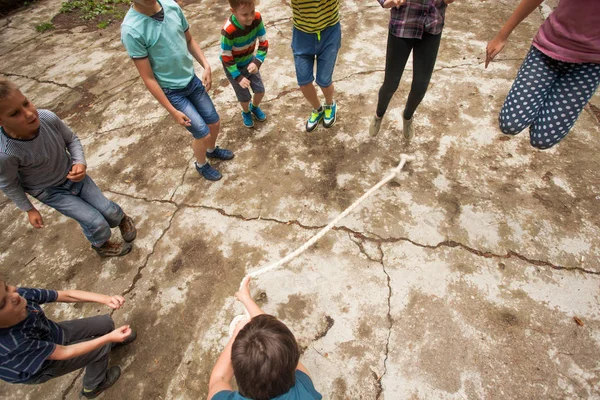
314	127
326	125
257	119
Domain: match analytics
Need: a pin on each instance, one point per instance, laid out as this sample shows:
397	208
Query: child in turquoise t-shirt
157	38
264	357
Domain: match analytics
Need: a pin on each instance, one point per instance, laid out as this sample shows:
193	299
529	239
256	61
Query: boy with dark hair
34	349
157	37
263	355
238	40
41	156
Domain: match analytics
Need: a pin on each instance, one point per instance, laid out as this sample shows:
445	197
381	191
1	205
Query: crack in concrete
139	275
371	237
390	324
78	89
70	387
360	243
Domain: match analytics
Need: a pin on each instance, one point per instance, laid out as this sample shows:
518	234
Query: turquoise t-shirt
302	390
163	42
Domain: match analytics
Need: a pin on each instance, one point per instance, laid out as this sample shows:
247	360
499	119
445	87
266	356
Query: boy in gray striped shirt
41	156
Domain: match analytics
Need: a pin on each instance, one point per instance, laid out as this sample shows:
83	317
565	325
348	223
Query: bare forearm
252	307
222	372
78	349
197	53
76	296
524	8
156	91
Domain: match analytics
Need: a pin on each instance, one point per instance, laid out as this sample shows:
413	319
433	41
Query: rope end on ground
404	158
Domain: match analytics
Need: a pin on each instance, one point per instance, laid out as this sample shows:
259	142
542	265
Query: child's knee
508	125
98	228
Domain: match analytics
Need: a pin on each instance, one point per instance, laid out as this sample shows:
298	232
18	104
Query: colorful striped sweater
313	16
238	43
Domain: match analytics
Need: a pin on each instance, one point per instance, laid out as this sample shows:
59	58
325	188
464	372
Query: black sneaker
125	342
112	249
127	228
112	376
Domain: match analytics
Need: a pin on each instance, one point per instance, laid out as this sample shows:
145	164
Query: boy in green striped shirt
238	42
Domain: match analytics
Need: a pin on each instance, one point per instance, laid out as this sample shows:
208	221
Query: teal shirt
302	390
163	42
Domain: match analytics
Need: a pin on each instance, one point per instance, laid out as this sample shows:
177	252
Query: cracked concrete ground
459	281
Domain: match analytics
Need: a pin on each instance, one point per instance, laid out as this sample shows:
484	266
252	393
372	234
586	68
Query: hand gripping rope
395	172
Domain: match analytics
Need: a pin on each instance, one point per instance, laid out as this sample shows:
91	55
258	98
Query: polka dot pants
548	96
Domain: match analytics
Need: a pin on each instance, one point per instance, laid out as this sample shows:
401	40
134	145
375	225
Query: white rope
395	172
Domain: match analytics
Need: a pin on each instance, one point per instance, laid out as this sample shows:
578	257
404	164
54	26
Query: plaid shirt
417	16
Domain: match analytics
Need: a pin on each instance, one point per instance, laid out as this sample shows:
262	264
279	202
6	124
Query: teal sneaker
257	113
330	113
247	118
315	117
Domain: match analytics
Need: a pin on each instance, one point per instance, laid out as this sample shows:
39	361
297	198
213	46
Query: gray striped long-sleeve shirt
29	166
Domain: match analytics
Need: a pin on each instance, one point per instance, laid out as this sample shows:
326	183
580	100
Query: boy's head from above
18	116
243	10
264	356
146	6
13	307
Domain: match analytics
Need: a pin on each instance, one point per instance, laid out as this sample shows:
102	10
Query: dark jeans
95	362
424	55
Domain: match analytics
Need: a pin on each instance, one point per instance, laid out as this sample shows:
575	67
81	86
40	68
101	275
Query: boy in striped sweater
238	41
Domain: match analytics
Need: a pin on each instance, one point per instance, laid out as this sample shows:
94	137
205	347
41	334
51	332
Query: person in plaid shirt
414	25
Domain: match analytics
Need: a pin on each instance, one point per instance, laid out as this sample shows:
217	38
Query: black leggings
398	50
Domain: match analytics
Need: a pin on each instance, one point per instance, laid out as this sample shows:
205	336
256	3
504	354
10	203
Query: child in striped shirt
238	41
35	349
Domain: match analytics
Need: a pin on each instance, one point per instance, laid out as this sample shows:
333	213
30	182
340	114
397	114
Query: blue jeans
196	104
324	47
84	202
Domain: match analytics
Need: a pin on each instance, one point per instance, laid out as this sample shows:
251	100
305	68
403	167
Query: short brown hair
265	355
6	88
236	3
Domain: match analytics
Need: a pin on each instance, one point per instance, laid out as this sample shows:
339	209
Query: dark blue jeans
84	202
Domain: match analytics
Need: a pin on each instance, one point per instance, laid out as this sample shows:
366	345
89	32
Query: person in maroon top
415	25
559	75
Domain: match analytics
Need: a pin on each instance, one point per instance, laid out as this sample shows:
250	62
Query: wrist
32	210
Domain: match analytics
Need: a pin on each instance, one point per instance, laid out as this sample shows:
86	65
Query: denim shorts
196	104
256	84
324	47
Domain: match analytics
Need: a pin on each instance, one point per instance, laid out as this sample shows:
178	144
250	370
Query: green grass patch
44	26
91	9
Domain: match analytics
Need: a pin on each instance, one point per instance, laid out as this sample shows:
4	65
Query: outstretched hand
114	302
244	293
494	47
119	334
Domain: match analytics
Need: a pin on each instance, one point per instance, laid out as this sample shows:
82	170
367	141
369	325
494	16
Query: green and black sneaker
315	117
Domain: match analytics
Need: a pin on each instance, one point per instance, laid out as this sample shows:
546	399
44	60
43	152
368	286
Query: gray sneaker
127	229
375	126
112	249
408	129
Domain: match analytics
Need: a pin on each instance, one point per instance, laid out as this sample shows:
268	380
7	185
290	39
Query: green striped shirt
313	16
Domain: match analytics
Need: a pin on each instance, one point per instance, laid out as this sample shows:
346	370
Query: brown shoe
127	229
112	249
